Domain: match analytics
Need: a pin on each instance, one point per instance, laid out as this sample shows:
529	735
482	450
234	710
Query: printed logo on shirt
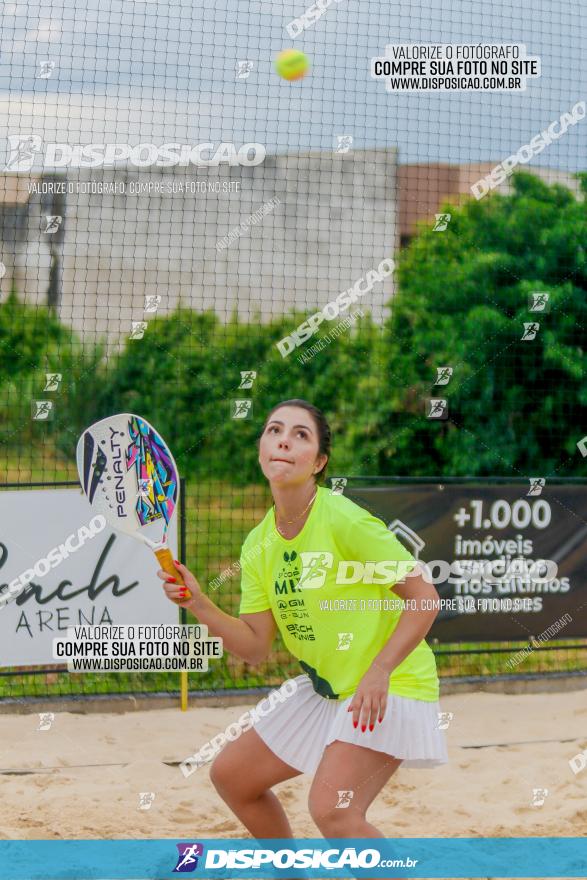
291	608
301	631
287	581
308	571
289	574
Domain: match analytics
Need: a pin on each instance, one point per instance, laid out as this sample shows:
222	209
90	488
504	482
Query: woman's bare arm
413	624
249	637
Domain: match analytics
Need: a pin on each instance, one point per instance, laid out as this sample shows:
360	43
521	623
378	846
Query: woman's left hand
370	700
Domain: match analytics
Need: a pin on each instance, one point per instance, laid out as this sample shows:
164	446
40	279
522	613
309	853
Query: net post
183	676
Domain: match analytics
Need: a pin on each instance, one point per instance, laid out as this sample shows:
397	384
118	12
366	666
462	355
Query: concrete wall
336	218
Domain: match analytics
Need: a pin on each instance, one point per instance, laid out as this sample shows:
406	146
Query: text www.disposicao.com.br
137	664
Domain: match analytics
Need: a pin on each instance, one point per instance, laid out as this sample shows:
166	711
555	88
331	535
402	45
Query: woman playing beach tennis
318	567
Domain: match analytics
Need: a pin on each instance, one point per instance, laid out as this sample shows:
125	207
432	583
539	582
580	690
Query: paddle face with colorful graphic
129	476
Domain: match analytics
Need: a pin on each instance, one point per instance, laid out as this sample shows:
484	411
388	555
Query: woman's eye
302	434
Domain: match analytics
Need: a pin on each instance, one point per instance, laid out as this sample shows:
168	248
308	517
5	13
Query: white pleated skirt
299	729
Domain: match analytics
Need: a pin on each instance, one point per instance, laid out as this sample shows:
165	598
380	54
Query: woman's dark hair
322	426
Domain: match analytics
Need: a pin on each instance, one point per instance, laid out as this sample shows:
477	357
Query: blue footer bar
415	857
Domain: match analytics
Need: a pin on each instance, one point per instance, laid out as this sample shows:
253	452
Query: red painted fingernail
171	580
363	728
355	723
380	719
371	727
177	562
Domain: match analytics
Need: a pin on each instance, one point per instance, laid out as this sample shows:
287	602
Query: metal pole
183	675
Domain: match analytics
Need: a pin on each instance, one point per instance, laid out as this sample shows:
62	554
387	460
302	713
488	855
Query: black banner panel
510	560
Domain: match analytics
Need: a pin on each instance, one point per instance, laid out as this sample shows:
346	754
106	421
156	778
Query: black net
396	233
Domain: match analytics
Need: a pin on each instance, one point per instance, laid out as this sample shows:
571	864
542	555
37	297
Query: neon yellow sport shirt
326	588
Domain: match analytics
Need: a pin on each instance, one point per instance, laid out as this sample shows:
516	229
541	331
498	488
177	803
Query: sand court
114	776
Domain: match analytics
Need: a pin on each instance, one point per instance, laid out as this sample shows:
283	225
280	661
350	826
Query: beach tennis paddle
129	476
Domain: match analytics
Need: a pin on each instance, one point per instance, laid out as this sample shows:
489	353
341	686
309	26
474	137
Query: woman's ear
322	461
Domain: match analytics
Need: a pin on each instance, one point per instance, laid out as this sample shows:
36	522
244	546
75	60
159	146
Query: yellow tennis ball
292	64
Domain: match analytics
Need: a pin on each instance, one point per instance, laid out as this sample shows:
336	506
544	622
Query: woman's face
288	451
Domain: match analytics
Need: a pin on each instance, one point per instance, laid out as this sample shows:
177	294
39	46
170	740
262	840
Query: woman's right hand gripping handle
177	592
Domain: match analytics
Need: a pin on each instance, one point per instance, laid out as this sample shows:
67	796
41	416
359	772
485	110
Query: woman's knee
330	811
231	772
229	777
222	773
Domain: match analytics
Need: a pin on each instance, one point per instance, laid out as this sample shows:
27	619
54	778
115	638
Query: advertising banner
83	573
510	561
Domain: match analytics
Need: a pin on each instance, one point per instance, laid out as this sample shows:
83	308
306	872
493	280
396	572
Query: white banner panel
111	579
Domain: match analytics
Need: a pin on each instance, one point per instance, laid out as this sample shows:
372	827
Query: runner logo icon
187	859
314	566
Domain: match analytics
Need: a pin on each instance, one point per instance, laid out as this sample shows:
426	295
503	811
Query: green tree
185	373
33	343
515	407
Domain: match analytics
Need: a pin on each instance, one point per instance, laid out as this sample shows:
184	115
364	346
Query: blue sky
164	71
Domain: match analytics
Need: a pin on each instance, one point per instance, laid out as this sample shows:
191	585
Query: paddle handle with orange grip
165	558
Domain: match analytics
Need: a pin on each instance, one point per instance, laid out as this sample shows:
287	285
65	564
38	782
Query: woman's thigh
247	767
349	768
